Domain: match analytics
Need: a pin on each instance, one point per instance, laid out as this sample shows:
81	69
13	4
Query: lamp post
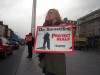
33	23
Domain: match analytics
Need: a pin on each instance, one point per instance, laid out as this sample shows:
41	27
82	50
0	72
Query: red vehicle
5	47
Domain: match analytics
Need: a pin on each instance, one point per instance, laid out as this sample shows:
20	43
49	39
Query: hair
58	17
30	33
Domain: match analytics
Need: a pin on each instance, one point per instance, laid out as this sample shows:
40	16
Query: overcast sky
17	14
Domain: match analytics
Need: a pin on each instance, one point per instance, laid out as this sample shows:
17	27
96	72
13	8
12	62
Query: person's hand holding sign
47	17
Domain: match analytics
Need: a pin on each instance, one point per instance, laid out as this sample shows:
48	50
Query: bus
80	43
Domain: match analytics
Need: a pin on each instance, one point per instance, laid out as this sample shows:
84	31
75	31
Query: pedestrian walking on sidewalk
30	45
53	64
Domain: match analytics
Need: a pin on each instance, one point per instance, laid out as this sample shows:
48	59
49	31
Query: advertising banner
54	39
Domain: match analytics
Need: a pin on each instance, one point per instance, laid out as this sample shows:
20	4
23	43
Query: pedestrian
53	64
30	45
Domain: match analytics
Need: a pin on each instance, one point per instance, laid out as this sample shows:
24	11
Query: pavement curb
29	66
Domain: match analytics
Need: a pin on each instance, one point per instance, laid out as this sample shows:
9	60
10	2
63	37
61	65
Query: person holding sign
30	42
53	64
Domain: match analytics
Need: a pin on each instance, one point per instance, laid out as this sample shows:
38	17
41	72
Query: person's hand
47	17
62	25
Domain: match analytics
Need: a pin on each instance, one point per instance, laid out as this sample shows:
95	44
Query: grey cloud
8	3
16	17
20	18
90	4
83	7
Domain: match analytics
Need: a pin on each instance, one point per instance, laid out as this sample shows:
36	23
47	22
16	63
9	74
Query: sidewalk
29	66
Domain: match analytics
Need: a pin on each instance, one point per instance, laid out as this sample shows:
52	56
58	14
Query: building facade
2	29
66	21
89	27
5	31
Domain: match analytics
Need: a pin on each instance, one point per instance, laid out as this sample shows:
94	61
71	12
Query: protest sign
54	39
28	38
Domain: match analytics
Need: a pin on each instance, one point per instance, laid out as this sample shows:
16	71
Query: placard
28	38
54	39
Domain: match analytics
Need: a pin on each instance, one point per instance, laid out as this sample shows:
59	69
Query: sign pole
33	23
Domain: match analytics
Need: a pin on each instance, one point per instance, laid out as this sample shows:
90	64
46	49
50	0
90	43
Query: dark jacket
46	36
54	63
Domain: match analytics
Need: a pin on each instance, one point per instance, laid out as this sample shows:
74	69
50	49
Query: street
9	65
83	62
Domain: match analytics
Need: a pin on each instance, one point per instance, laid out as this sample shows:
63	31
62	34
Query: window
99	32
90	35
4	41
93	34
0	41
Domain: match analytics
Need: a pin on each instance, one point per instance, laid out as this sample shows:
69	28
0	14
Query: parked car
15	45
22	43
5	47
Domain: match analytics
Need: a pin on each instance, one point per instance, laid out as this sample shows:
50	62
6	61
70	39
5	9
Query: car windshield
0	41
